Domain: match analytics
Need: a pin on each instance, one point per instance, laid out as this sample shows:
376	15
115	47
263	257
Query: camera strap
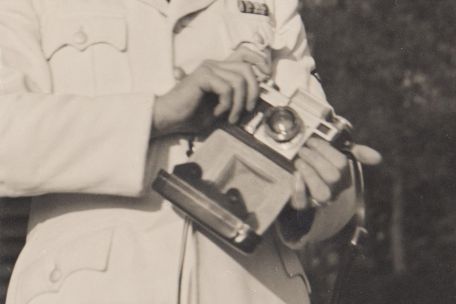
190	145
359	234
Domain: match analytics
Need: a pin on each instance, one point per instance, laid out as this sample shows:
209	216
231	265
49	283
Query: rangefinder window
324	129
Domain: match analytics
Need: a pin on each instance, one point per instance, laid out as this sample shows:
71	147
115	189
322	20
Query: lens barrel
282	123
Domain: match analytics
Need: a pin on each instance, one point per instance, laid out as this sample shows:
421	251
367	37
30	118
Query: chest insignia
251	7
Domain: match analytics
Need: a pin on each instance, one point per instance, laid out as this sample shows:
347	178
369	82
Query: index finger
331	154
366	155
247	55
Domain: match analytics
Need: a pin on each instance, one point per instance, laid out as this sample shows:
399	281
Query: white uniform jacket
78	80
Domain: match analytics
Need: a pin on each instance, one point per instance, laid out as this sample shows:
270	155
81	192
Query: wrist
165	120
160	118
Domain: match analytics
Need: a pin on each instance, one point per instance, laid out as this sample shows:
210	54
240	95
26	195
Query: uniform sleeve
293	67
62	143
292	62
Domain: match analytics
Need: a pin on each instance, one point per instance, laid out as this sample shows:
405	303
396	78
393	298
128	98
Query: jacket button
80	37
55	275
178	73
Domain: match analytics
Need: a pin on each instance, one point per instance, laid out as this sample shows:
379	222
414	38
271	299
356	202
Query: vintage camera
236	184
285	124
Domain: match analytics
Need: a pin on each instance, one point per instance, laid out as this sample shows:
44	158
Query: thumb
257	58
366	155
299	195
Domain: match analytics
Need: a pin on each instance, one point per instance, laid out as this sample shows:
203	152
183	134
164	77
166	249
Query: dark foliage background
389	66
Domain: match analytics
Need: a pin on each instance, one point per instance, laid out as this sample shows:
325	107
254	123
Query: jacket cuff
81	145
131	147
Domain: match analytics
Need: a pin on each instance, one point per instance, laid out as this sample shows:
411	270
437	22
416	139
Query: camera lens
282	123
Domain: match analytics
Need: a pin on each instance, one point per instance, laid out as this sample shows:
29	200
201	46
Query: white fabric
78	81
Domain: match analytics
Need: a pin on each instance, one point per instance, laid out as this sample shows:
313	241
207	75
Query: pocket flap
48	272
255	30
83	30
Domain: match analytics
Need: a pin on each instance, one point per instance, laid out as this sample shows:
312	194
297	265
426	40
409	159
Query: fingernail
259	74
261	77
299	197
217	111
265	69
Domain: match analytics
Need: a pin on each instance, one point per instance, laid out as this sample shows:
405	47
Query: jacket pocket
291	263
249	30
48	273
87	52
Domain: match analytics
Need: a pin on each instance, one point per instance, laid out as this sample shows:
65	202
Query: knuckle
225	106
204	69
301	166
297	163
242	51
226	90
341	163
323	193
239	82
247	68
333	177
243	66
208	65
305	153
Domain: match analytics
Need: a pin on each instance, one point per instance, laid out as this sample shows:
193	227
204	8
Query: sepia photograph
227	151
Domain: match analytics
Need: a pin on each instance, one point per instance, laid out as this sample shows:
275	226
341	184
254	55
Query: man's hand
232	81
325	170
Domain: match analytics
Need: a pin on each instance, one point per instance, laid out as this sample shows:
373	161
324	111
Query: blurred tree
390	67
